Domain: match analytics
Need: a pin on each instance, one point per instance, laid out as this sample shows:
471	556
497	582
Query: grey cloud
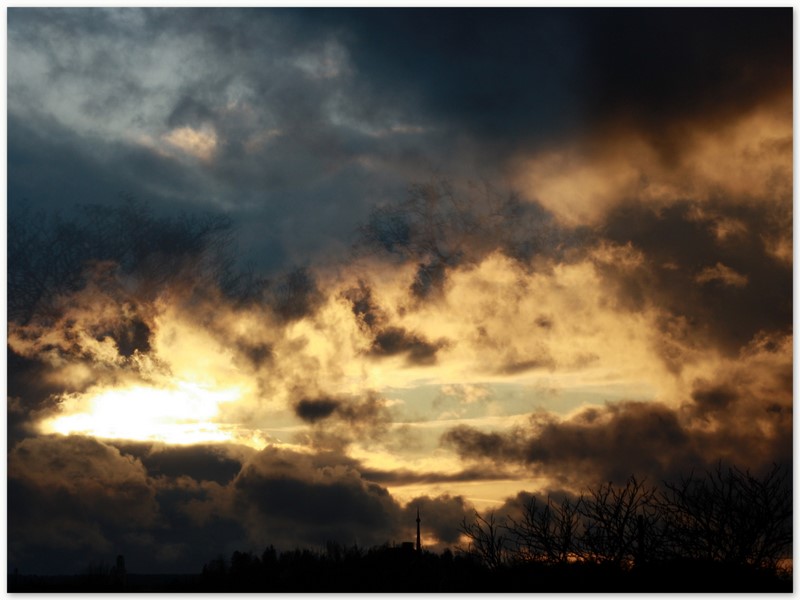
389	340
364	306
289	502
167	509
31	394
294	295
340	140
470	442
313	410
396	340
521	366
612	442
273	124
714	398
74	497
440	515
258	354
338	421
405	476
200	462
677	244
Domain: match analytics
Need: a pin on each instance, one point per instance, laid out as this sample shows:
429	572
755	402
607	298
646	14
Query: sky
283	276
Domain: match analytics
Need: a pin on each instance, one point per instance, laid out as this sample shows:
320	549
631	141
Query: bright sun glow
183	414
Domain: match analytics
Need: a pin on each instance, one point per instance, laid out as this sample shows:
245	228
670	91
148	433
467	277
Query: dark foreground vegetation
388	569
727	531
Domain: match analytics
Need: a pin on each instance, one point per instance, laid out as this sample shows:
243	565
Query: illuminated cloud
198	143
723	274
747	160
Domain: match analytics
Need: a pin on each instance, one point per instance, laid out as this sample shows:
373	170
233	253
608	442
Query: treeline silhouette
726	516
725	531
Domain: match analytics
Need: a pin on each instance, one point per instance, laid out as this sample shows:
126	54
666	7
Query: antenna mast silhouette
419	544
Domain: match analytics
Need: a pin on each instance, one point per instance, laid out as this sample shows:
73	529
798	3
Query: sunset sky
283	276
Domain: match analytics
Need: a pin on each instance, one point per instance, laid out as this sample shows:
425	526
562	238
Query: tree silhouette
731	516
728	517
547	532
614	518
486	540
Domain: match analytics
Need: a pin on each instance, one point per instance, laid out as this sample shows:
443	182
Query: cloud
217	463
740	416
198	143
286	500
395	340
723	274
336	423
77	499
314	410
295	120
74	496
746	160
389	340
695	264
440	518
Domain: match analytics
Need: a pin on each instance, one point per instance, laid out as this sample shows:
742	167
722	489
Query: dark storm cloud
490	73
658	67
294	295
511	75
30	393
300	125
650	439
336	422
77	500
396	340
87	169
279	150
709	265
313	410
200	462
317	114
288	500
389	340
75	496
440	516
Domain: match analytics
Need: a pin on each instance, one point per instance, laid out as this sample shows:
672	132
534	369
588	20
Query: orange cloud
746	160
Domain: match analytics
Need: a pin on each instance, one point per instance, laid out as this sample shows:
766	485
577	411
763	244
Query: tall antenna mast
419	544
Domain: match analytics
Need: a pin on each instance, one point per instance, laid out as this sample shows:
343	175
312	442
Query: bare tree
547	532
486	540
615	521
731	516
